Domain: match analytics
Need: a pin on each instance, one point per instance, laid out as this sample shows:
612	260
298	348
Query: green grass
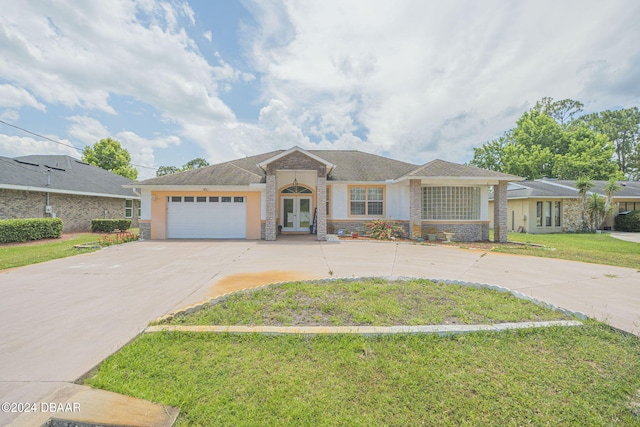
575	376
594	248
370	302
19	255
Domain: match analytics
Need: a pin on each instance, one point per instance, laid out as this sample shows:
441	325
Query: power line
62	143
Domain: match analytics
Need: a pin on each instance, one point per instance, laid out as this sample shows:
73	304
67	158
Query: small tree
196	163
611	188
583	185
108	154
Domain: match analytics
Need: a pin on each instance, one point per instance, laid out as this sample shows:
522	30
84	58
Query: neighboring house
61	186
284	191
554	206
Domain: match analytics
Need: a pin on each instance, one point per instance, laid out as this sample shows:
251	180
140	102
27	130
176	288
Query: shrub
23	230
384	229
628	222
109	225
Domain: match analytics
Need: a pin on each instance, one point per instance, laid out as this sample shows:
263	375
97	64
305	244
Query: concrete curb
441	330
222	298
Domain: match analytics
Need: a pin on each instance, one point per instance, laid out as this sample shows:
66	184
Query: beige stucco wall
159	210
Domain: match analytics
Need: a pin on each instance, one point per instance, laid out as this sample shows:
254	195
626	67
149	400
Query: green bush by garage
628	222
25	229
110	225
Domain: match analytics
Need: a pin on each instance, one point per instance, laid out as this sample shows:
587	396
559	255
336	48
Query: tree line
554	140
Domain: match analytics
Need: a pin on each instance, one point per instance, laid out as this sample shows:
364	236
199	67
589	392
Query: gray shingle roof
351	165
553	188
442	168
66	174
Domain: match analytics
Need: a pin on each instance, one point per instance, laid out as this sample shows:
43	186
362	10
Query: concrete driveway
61	318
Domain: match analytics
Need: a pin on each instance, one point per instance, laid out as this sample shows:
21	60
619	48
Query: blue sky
222	79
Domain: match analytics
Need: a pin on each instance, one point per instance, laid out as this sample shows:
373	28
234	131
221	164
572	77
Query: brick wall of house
22	204
75	211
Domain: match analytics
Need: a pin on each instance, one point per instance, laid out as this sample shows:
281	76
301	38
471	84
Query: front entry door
296	213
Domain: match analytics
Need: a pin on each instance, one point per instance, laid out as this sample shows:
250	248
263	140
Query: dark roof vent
26	163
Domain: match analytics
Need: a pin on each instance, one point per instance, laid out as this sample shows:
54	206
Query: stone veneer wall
145	230
571	215
464	232
75	211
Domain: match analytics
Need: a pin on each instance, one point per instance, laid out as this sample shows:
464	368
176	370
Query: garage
206	217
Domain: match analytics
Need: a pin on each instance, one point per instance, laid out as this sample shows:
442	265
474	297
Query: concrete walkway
62	318
629	237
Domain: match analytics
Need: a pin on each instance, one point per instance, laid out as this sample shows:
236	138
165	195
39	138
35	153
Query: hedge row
23	230
628	222
109	225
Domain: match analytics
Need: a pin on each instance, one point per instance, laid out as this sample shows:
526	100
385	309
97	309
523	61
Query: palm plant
583	185
598	209
611	188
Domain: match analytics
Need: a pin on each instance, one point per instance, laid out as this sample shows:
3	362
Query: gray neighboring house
43	186
554	206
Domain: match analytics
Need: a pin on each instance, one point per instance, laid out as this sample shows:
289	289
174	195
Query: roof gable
264	164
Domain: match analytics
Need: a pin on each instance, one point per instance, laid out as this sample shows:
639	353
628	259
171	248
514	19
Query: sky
413	80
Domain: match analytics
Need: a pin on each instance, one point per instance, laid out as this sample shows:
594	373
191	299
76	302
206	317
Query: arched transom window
296	189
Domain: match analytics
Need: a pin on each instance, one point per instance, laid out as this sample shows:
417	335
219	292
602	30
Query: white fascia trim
484	180
76	193
207	188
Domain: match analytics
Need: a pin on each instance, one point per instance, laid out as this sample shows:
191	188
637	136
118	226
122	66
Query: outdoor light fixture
295	183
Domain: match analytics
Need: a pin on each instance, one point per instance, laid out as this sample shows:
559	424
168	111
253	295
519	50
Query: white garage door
207	217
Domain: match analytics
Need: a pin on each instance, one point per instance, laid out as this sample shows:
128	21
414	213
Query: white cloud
433	79
17	97
15	146
87	129
208	35
77	54
142	150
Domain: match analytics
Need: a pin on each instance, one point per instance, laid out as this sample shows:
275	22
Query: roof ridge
244	170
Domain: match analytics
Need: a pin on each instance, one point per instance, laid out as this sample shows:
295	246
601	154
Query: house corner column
321	188
415	209
271	202
500	212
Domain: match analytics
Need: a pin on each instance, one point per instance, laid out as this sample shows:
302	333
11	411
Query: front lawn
16	255
594	248
557	376
26	253
585	375
369	302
